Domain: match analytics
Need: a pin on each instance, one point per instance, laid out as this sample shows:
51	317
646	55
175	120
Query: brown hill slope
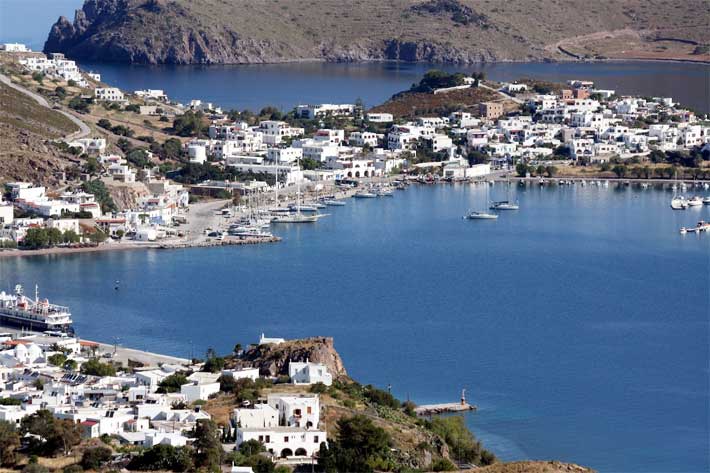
461	31
25	131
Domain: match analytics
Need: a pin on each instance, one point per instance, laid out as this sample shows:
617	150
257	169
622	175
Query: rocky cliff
273	359
268	31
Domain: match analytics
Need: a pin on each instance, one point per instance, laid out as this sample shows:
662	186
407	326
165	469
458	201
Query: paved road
84	130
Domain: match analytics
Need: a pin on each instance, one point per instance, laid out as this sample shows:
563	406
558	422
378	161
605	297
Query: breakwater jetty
434	409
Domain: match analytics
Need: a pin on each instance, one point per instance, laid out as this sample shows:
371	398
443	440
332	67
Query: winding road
84	129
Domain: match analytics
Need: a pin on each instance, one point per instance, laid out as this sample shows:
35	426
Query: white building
6	213
14	48
197	153
90	145
309	373
244	373
264	340
311	112
275	131
199	391
363	138
284	155
152	94
108	94
260	416
380	117
285	442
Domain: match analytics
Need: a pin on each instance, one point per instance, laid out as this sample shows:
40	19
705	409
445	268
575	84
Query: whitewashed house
309	373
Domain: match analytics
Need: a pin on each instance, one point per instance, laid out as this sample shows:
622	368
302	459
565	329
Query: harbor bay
287	85
578	324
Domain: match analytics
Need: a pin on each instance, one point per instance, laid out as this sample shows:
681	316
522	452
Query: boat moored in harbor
365	195
504	205
478	215
18	310
695	201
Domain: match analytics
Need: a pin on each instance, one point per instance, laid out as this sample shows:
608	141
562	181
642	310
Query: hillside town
146	405
315	155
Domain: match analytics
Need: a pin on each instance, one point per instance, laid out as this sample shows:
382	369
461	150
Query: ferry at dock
18	310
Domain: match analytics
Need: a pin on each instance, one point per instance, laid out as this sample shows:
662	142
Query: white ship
18	310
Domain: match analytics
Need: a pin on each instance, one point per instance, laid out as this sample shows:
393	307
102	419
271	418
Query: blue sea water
579	324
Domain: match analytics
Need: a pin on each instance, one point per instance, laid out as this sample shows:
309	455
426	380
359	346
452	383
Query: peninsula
272	406
445	31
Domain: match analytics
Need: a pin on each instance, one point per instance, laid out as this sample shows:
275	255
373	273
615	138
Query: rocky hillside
26	132
273	359
456	31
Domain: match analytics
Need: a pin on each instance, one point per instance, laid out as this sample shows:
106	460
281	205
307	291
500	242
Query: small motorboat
477	215
695	201
679	203
334	202
706	200
504	205
365	195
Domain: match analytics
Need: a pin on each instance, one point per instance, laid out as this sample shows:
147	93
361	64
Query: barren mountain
456	31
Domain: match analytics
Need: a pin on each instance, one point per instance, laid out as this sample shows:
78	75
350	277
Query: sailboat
505	204
482	214
678	202
296	217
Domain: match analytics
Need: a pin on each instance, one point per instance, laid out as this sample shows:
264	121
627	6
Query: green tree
163	457
190	124
251	447
36	238
79	104
521	169
98	188
208	445
94	457
54	236
70	236
551	170
619	170
58	359
442	464
60	92
138	157
94	367
463	446
358	447
9	443
260	464
54	435
172	383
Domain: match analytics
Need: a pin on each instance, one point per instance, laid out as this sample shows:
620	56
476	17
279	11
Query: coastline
317	60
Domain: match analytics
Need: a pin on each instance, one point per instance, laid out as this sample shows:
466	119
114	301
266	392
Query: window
315	439
268	439
286	439
261	438
309	410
